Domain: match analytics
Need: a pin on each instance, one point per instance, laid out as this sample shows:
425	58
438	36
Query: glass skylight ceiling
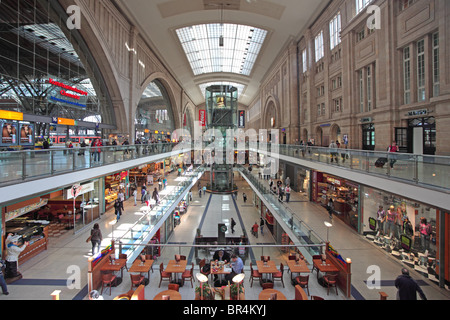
242	45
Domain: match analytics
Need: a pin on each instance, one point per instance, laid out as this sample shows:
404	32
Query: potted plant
208	293
234	291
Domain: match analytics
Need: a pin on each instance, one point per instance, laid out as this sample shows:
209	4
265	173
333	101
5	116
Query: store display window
412	225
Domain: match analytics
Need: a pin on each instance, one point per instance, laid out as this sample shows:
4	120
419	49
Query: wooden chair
300	294
254	274
201	264
174	286
303	281
316	298
188	275
136	280
314	268
267	285
278	276
107	280
149	257
182	257
330	280
267	257
123	256
163	275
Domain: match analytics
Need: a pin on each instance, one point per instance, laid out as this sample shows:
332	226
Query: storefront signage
366	120
66	122
422	112
11	115
19	212
67	95
85	188
202	117
334	181
241	119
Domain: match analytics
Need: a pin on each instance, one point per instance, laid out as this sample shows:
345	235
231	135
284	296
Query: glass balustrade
142	229
305	235
429	171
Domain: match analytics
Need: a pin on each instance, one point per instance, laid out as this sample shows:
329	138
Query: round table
174	295
265	294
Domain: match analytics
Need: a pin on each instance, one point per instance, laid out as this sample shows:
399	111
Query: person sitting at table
237	266
221	255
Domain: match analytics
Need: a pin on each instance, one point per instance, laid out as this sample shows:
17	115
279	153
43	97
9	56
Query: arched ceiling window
220	47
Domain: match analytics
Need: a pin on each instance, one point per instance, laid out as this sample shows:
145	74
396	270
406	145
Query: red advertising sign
202	117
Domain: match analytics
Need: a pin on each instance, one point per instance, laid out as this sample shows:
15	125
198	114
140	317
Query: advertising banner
241	119
9	133
202	117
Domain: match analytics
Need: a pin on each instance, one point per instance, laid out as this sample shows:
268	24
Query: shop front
113	185
150	174
343	193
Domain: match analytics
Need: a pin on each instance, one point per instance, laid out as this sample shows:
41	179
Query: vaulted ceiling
162	21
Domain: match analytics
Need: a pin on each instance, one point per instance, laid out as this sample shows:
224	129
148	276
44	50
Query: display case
35	232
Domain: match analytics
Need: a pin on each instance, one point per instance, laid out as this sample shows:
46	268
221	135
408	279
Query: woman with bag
95	238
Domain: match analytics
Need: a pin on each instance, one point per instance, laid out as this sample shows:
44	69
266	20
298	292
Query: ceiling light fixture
221	42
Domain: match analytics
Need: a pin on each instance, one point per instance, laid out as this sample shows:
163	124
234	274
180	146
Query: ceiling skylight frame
242	45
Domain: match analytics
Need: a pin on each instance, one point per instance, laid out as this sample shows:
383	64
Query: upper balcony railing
424	170
427	171
21	166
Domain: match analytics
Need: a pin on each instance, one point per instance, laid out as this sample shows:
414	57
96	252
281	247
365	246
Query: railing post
416	169
24	165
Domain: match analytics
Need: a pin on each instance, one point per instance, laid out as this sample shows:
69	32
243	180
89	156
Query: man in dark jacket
408	287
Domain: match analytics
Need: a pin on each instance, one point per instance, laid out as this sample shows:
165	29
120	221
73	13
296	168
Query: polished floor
64	265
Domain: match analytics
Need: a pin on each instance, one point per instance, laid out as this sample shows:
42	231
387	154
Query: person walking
143	193
135	197
333	151
244	196
408	287
233	224
393	148
2	278
288	193
117	209
261	226
96	239
155	196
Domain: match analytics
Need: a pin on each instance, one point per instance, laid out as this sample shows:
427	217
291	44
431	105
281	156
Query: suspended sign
67	95
202	117
241	119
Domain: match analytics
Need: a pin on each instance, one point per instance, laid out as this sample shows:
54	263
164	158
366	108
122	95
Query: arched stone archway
335	133
304	136
318	137
154	118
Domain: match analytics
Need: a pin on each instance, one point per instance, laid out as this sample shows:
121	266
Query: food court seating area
175	278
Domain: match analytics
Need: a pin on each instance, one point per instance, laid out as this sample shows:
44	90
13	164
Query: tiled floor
64	265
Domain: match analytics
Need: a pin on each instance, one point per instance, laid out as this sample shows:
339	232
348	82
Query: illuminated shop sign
67	95
241	119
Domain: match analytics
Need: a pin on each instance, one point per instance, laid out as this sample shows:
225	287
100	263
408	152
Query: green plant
234	290
207	292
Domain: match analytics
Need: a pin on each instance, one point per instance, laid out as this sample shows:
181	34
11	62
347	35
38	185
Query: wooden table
176	268
266	269
267	293
220	271
174	295
140	267
118	265
299	267
328	266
